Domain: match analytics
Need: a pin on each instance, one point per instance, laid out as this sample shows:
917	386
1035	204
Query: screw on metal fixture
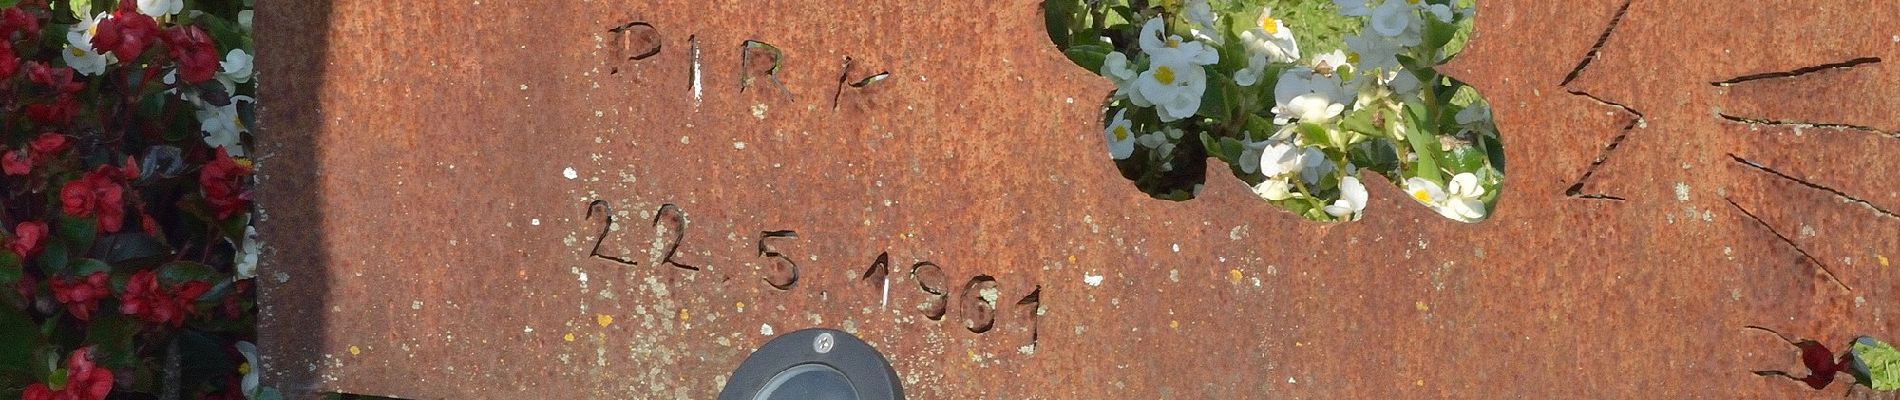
822	344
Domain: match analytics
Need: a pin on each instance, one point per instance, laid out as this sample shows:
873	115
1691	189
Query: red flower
131	170
81	296
15	20
26	239
197	56
58	78
59	112
9	63
108	197
99	192
16	163
144	299
223	180
84	381
48	146
127	33
76	198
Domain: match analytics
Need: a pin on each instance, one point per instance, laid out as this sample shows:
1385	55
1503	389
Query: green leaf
8	3
121	247
81	267
1217	101
57	380
1876	364
19	337
203	358
1315	134
178	272
1424	143
1493	150
1059	17
78	232
268	393
1361	121
1375	155
233	228
113	333
1437	34
53	257
1089	56
10	269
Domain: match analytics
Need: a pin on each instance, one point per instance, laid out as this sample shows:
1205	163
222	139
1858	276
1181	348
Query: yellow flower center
1352	58
1422	196
1164	75
1121	133
1413	2
1272	26
77	52
244	369
1174	42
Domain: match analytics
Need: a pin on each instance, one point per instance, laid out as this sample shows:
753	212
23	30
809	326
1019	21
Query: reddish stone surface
423	241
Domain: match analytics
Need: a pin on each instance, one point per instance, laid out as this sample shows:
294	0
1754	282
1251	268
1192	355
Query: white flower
248	368
1202	16
1370	51
85	61
221	125
236	66
247	254
244	20
1250	153
1352	200
1116	68
81	33
1121	138
1425	191
1474	114
160	8
1274	189
1313	164
1463	201
1395	18
1157	45
1281	158
1172	85
1330	63
1440	11
1270	37
1353	8
1174	80
1256	67
1308	97
1475	118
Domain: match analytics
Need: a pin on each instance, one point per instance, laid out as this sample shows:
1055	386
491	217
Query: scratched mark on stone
1636	118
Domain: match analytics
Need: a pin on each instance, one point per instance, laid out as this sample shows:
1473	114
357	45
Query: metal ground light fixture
814	364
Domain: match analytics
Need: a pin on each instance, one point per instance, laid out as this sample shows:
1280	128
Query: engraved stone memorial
626	199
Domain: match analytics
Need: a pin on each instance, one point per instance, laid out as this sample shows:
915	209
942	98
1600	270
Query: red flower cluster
81	296
100	191
14	21
26	239
223	183
127	33
84	381
65	103
46	147
146	300
197	56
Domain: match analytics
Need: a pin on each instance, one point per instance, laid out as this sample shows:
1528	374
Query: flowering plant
125	202
1230	80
